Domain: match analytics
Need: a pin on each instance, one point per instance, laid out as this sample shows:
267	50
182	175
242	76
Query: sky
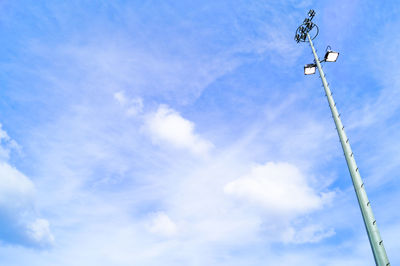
185	133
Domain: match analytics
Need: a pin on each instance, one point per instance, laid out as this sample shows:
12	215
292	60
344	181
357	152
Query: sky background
185	133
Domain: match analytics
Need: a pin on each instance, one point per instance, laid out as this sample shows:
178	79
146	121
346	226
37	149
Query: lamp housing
331	56
309	69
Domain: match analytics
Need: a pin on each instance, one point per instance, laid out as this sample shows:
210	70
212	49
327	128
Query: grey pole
375	239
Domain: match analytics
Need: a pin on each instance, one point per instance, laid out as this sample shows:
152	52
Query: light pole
303	34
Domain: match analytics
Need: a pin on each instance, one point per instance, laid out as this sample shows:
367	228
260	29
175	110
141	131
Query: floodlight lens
309	69
331	56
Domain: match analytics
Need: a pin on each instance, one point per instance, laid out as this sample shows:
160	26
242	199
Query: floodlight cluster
301	35
305	28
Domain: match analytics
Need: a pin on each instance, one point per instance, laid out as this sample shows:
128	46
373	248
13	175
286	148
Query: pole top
306	27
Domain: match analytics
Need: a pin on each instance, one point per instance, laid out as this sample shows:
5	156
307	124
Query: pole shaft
374	237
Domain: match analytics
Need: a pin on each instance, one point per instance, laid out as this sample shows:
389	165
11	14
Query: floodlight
331	56
311	13
309	69
310	26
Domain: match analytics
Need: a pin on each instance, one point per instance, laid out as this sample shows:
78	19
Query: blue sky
185	133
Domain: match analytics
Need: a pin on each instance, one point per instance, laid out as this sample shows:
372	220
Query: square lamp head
331	56
309	69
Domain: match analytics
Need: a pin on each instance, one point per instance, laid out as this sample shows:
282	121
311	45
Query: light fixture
309	69
311	13
331	56
303	34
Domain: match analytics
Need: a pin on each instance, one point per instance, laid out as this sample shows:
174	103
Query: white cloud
8	144
120	97
17	207
133	106
17	210
162	225
280	188
39	230
168	126
15	187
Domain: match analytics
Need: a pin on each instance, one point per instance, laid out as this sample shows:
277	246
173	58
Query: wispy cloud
133	106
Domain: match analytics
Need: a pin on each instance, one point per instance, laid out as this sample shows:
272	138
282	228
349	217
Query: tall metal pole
375	239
